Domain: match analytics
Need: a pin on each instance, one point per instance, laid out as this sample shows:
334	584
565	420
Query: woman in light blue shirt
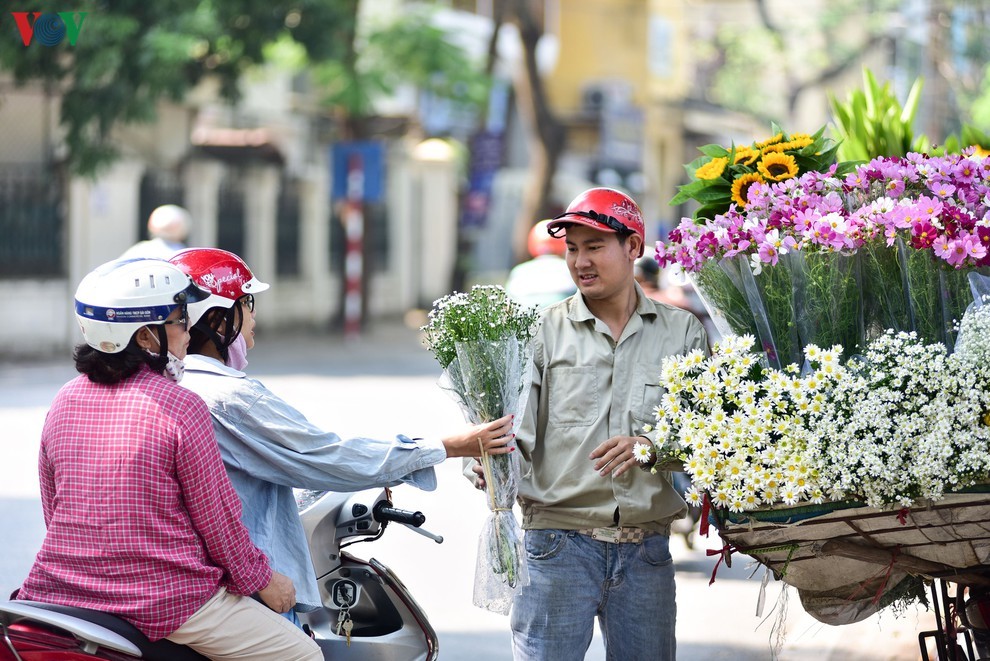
269	447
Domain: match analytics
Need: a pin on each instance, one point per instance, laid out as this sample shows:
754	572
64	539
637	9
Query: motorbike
367	611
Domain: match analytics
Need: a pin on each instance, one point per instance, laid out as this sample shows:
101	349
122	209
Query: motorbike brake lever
425	533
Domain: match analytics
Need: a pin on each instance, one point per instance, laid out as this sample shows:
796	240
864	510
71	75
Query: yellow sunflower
713	169
790	145
981	151
740	188
746	155
769	141
777	167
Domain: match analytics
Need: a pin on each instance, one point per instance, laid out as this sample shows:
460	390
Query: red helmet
222	273
541	243
604	209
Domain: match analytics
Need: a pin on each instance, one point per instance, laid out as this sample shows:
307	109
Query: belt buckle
607	535
618	535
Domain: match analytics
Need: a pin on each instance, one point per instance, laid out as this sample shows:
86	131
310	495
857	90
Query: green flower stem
717	285
775	289
885	292
921	274
828	305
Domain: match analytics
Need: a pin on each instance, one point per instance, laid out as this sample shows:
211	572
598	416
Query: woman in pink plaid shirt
142	521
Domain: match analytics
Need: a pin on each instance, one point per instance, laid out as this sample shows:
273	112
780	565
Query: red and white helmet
604	209
120	297
541	243
221	272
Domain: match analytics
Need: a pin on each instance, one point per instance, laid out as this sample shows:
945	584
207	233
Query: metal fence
32	223
230	211
287	228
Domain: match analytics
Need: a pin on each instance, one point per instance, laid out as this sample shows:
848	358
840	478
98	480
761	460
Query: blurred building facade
627	78
257	180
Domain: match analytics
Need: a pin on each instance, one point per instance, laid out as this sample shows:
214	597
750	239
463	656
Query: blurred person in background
168	227
658	284
647	274
544	279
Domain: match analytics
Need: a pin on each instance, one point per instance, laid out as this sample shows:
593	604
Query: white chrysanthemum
737	501
693	497
706	477
643	452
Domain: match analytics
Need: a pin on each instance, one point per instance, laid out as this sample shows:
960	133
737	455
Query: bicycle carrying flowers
839	431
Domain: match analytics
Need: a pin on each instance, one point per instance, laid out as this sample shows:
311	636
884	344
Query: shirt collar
578	309
200	363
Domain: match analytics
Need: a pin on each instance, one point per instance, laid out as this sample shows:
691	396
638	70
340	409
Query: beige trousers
230	627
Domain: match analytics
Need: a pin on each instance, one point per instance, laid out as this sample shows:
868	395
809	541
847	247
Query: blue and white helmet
118	298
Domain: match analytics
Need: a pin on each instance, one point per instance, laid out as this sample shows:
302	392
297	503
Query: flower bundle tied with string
482	340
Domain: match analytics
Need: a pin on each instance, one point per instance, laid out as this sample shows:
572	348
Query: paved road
386	384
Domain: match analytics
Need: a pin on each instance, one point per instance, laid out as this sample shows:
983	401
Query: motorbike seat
159	650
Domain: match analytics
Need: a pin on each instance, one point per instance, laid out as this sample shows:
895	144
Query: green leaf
912	102
714	193
711	210
689	191
714	151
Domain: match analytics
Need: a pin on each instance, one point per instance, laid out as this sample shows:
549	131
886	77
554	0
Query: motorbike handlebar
385	512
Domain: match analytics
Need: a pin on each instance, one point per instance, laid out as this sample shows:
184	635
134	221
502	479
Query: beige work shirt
586	389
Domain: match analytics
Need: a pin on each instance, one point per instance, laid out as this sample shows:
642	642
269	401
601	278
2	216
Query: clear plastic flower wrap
828	308
742	302
886	297
482	339
488	379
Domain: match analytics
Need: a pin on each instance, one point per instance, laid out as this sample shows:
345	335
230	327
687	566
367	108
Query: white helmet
119	297
169	222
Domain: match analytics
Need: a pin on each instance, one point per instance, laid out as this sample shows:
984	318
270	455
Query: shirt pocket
646	392
573	396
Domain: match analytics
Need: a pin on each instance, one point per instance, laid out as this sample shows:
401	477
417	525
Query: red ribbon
886	578
706	507
902	515
723	554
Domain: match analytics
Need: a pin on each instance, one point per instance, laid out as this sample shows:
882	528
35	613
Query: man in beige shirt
597	526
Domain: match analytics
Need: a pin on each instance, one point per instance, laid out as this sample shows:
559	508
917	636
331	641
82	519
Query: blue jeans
574	578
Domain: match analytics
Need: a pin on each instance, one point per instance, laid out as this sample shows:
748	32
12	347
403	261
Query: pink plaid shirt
142	520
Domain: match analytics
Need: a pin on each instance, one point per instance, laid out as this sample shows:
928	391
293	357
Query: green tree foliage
130	54
764	67
410	49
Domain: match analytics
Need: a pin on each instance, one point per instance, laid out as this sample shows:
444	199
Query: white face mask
175	368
